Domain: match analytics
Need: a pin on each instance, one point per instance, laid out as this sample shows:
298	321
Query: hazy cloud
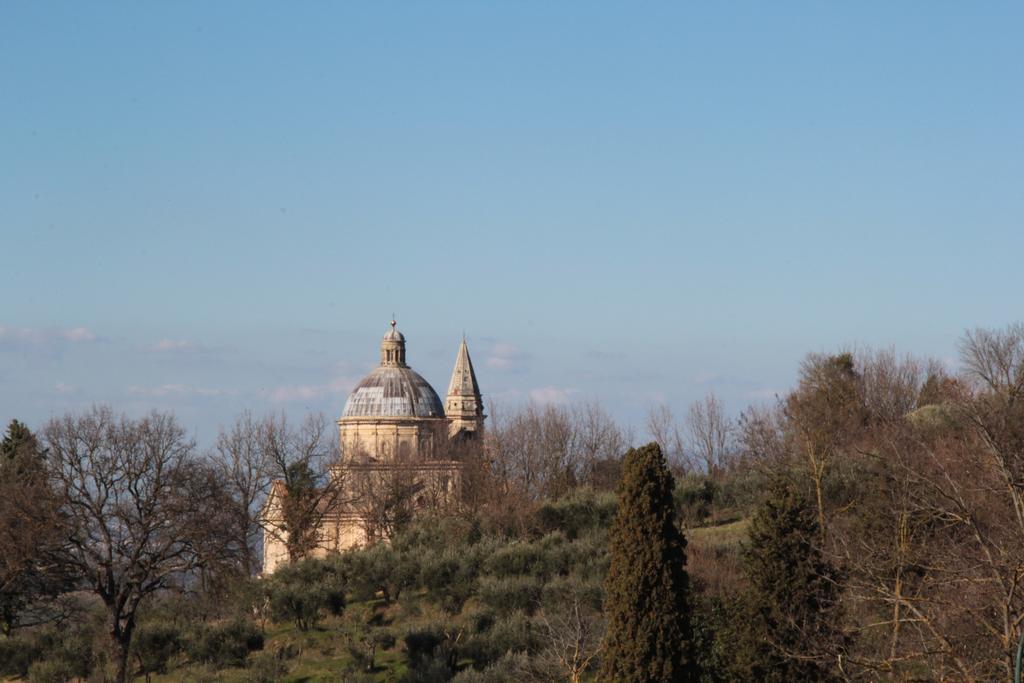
79	334
310	392
506	357
65	389
42	337
175	345
761	394
597	354
165	390
552	395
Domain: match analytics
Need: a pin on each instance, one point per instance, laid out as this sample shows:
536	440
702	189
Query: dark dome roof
391	391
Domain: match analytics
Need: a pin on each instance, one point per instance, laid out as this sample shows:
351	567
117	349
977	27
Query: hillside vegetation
866	526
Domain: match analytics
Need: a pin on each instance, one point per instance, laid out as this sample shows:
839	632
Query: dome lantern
392	348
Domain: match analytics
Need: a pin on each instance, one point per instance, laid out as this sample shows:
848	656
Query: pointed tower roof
463	378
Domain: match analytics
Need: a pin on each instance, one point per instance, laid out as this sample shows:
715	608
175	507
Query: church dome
392	391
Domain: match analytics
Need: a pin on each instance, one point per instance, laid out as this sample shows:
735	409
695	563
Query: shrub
428	533
694	496
569	589
421	644
363	646
439	668
450	579
153	645
577	513
514	633
224	645
17	654
269	666
512	667
379	568
431	655
511	593
742	490
55	650
516	558
300	592
50	671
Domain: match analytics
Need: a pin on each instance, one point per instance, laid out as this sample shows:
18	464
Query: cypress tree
647	604
29	527
793	602
19	448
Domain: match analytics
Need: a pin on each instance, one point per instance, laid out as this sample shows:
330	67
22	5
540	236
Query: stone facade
401	449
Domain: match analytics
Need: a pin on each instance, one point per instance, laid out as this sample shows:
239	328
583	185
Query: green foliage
518	558
701	500
29	526
223	645
512	667
303	591
577	513
269	666
563	590
17	654
793	602
719	638
431	655
48	651
366	633
437	532
380	568
515	632
694	496
18	440
153	645
421	644
298	509
647	589
51	671
450	578
511	593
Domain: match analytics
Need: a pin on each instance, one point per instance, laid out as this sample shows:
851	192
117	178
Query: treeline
879	509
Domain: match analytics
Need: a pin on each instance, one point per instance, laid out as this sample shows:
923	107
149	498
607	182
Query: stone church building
401	450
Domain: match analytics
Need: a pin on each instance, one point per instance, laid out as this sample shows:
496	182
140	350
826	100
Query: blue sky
207	207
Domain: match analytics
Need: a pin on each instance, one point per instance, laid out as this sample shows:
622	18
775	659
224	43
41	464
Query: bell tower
464	406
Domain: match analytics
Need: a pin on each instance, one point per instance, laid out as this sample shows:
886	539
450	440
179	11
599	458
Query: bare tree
601	443
709	435
760	435
890	386
134	515
305	461
824	413
934	544
246	466
536	449
996	358
573	631
664	429
389	495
